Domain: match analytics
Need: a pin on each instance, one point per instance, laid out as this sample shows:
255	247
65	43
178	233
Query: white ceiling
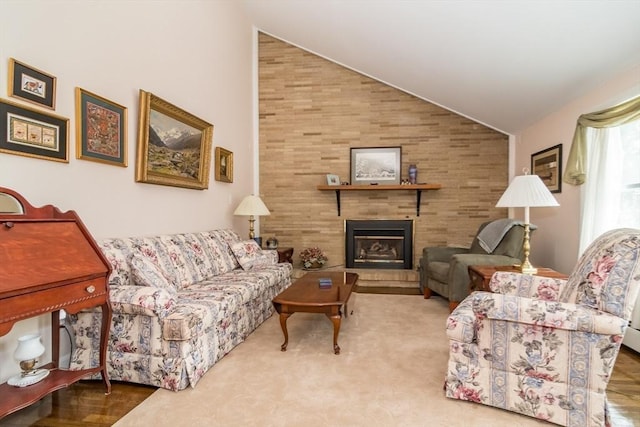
503	63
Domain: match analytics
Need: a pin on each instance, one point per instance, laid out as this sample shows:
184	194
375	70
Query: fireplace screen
381	249
384	244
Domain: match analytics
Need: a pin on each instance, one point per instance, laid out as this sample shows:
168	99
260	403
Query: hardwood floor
84	403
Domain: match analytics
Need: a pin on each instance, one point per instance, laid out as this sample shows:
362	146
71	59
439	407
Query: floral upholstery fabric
146	273
546	347
170	339
250	255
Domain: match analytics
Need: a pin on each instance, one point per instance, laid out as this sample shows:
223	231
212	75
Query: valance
621	114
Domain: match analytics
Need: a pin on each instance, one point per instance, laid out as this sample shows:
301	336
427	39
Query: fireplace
383	244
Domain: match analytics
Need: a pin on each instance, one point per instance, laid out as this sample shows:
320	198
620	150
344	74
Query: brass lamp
526	191
252	206
27	353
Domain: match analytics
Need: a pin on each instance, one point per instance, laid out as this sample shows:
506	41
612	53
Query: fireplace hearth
383	244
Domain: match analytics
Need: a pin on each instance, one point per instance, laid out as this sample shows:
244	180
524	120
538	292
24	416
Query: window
611	194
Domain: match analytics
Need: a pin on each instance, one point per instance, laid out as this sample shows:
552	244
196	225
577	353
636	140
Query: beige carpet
390	373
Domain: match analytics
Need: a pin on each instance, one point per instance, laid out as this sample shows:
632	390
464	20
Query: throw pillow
146	273
249	255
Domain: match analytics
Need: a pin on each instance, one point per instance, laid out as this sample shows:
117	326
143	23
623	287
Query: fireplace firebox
383	244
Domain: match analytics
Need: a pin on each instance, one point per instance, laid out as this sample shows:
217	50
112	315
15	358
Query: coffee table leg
283	325
336	319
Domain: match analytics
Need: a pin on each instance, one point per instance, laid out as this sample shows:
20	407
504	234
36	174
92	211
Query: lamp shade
526	191
252	205
29	347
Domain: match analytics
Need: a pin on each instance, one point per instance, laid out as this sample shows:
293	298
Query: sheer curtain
602	193
605	159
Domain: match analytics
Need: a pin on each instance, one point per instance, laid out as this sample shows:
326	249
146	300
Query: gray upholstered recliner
445	270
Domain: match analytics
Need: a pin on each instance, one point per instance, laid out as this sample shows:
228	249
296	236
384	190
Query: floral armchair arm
146	300
551	314
524	285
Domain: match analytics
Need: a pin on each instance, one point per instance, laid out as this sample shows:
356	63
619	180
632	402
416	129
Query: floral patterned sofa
180	303
546	347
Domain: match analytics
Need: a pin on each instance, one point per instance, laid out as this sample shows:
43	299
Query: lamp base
34	377
528	269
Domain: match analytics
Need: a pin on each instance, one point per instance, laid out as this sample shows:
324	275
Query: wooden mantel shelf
418	188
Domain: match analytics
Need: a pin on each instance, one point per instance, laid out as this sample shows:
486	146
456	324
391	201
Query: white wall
555	243
195	54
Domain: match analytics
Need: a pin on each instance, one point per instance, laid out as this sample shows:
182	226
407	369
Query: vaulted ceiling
503	63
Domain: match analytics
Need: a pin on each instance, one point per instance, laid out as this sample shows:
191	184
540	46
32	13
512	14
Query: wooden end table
481	275
306	296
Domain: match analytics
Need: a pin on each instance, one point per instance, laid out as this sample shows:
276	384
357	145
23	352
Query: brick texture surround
312	111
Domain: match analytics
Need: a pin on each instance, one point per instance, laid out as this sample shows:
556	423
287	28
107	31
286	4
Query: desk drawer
71	297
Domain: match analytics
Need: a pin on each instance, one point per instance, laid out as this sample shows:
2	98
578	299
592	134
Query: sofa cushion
146	273
250	256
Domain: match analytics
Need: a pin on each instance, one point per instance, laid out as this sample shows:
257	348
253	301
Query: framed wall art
31	84
547	164
333	179
101	129
380	165
224	165
29	132
174	147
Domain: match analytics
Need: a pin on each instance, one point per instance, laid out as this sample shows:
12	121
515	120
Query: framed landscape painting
174	147
101	129
380	165
33	133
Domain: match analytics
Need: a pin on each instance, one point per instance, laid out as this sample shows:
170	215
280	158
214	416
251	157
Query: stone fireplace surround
312	111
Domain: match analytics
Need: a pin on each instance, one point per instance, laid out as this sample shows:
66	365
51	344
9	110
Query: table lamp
526	191
27	353
251	206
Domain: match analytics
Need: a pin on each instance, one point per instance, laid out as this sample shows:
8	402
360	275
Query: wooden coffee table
306	296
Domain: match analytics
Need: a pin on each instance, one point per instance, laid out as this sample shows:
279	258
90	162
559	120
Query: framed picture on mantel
378	165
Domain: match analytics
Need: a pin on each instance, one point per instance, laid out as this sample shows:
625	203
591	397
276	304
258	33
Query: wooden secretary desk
48	262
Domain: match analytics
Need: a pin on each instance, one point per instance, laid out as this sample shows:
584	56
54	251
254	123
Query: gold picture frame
32	85
174	147
224	165
101	129
30	132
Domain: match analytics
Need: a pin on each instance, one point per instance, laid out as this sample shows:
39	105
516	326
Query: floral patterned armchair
546	347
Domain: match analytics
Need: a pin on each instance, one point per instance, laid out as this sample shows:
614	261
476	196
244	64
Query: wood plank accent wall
312	111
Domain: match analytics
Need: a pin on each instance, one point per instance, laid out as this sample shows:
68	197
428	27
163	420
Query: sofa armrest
550	314
525	285
146	300
442	253
459	271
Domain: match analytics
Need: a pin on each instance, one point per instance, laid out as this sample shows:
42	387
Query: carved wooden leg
336	319
104	339
283	325
427	293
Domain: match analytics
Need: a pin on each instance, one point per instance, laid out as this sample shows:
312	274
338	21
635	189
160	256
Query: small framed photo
29	132
101	129
380	165
333	179
547	164
224	165
31	84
